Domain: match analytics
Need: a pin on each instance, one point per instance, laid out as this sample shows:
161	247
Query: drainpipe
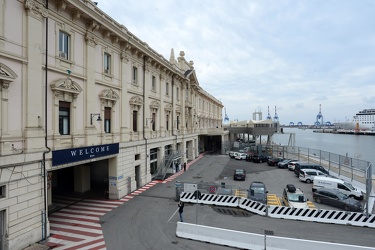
44	174
173	116
144	108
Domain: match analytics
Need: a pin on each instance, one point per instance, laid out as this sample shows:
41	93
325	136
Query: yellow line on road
273	200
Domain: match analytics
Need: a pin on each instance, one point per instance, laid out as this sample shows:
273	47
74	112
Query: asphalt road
148	221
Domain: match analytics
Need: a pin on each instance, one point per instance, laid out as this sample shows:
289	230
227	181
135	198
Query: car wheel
308	181
318	200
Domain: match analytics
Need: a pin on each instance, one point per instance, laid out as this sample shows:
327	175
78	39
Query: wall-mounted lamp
93	115
147	119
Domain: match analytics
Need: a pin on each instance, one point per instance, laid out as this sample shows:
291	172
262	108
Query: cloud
251	55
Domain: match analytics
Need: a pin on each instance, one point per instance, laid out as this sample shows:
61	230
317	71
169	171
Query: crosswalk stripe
77	225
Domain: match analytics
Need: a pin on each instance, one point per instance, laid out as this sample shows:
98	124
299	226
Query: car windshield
349	185
239	171
257	190
296	197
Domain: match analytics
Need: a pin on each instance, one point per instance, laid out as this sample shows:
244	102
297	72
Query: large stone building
87	107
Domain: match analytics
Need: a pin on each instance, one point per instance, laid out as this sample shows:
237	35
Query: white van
337	184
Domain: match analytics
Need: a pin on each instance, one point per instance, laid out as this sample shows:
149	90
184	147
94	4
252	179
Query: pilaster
33	83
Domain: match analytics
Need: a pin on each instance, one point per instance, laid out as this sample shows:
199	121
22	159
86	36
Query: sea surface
356	146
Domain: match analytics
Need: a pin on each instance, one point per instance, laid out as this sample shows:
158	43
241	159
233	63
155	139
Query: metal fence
341	165
352	168
210	188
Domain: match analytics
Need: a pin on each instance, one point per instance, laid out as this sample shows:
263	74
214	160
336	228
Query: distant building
87	107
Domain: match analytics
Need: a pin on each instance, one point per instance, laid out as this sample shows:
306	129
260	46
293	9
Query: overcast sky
255	54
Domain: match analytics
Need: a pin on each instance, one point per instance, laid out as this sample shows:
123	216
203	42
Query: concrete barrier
244	240
253	206
281	243
324	216
220	236
304	214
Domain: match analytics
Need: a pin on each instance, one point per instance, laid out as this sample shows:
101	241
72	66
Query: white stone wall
23	80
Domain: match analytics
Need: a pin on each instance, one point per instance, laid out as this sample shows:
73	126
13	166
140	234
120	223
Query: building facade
87	107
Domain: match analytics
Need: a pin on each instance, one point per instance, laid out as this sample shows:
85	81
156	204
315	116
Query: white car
293	197
291	165
307	175
240	156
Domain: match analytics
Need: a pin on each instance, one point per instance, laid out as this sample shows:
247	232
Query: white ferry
363	120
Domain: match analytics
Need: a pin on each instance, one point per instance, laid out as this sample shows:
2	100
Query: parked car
339	185
239	174
258	192
298	166
294	197
273	161
233	154
307	175
292	164
337	199
284	163
250	156
241	156
259	158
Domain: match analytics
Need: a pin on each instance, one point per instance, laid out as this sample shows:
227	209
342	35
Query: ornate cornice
66	85
168	107
136	100
91	39
155	105
35	9
6	76
109	95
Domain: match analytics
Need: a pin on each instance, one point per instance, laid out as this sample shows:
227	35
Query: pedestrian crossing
77	225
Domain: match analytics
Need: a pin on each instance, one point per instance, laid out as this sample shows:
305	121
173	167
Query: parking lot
274	178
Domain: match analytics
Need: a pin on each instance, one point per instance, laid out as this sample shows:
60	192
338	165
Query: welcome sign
60	157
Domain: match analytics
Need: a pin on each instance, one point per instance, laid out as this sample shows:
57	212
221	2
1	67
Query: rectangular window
178	93
64	45
107	120
135	124
2	193
166	88
178	122
187	93
153	83
153	121
135	78
167	122
107	63
64	118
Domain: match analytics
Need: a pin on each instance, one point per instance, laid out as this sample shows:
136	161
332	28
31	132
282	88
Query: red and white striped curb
77	226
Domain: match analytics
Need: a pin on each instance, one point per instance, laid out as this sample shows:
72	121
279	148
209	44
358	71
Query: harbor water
361	147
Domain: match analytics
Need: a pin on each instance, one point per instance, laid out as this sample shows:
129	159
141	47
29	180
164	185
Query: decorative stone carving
6	76
91	39
136	100
155	105
168	107
109	96
35	8
4	85
67	86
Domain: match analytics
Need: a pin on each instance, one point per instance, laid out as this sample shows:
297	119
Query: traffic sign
212	189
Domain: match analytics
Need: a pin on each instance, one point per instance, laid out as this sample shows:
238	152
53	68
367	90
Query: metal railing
167	165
